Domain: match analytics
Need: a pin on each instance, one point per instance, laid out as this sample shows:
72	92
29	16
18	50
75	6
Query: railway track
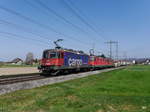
4	80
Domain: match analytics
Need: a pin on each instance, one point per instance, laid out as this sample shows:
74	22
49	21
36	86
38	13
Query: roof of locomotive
66	50
100	57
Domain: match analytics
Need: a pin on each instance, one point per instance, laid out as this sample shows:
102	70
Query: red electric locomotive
55	61
99	62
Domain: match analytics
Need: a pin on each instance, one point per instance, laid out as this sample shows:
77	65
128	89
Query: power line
21	40
80	17
28	19
39	24
44	6
22	28
25	38
83	15
25	29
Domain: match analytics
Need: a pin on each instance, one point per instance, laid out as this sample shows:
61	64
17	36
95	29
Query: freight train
55	61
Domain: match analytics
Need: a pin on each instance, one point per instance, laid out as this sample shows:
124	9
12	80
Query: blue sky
126	21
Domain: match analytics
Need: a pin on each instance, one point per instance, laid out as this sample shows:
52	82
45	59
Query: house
17	61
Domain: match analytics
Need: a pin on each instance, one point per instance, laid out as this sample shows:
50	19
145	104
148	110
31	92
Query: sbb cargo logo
74	62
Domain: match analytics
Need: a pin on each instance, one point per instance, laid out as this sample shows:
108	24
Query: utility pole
117	46
93	47
125	55
110	43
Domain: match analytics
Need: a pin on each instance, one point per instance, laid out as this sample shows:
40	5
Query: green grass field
126	90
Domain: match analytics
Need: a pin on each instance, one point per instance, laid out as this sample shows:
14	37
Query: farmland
11	65
123	90
17	70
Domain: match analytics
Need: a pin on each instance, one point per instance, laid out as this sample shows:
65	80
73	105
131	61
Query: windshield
48	54
53	55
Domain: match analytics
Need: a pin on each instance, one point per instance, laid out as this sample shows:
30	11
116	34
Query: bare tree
29	58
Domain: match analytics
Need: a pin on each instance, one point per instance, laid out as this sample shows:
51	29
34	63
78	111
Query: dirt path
18	70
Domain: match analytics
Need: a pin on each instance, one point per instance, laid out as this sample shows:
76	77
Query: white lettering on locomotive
74	62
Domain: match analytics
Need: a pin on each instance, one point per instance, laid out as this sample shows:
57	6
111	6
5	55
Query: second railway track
4	80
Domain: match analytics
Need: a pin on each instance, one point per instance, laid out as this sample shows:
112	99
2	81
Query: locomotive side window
45	54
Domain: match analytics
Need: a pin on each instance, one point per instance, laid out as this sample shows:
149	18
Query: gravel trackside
18	70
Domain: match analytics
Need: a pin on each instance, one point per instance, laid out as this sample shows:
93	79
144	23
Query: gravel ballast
37	83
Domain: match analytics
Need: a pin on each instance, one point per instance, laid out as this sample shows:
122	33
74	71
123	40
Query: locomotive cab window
53	55
48	54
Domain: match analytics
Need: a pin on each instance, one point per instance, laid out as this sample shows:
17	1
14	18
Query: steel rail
19	78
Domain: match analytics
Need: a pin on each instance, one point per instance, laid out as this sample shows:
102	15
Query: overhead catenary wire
25	29
81	18
4	22
41	25
23	37
28	19
84	16
21	40
45	7
70	5
20	37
